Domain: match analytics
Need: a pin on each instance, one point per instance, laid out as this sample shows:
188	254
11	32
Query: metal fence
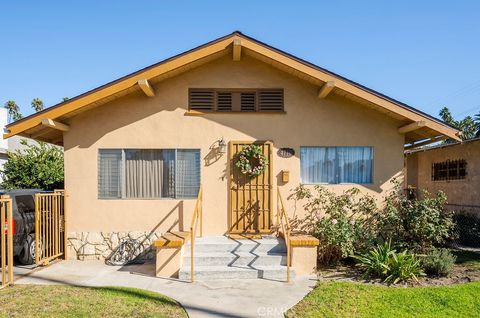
467	230
50	234
6	240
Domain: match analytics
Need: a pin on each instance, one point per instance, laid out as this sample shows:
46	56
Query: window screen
187	181
109	173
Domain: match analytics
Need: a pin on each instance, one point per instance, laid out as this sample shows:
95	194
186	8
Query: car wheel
27	255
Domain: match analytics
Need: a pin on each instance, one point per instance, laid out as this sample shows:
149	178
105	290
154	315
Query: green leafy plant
384	262
416	224
351	222
342	222
37	166
376	261
438	262
403	267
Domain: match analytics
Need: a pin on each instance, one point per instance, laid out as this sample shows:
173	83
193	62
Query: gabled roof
47	125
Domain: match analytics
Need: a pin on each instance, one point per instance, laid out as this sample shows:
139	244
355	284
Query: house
138	149
453	168
11	144
4	142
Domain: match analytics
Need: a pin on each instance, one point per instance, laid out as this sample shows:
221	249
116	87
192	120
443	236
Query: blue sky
424	53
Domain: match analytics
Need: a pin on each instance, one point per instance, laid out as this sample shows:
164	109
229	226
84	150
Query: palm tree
477	122
37	104
469	127
447	117
13	110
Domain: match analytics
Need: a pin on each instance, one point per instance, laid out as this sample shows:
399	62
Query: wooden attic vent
201	100
248	101
271	100
224	102
236	100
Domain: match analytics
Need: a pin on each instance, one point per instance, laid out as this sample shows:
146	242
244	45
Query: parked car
23	204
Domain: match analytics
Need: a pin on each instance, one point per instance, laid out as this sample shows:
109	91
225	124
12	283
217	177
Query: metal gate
6	240
250	197
50	234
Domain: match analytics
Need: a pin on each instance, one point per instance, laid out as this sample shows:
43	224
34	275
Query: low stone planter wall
101	245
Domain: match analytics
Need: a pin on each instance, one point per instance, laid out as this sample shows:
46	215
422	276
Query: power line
468	111
467	89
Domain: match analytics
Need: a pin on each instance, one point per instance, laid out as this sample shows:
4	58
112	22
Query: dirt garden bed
466	269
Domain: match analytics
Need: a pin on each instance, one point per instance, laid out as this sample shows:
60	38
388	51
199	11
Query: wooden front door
250	197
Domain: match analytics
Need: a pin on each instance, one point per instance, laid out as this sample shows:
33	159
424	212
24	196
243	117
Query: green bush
415	224
351	222
340	222
438	262
384	262
36	167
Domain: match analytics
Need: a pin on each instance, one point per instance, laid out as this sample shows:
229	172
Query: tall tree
13	110
468	126
447	117
64	99
37	104
477	122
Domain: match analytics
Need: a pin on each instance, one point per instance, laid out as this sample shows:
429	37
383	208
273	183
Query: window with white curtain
148	173
336	165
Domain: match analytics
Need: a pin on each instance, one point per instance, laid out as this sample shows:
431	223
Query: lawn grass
69	301
467	258
344	299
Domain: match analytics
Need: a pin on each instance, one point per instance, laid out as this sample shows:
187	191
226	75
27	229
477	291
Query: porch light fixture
222	146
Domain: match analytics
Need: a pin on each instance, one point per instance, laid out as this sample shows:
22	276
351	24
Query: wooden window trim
203	113
236	101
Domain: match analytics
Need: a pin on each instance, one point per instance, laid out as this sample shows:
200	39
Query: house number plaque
286	152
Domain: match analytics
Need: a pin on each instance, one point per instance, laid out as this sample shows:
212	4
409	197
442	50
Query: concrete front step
219	244
237	272
237	258
219	257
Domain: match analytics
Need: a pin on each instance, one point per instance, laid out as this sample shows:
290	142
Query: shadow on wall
348	123
134	251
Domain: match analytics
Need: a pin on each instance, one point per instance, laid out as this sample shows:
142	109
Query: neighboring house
11	144
138	149
3	142
453	168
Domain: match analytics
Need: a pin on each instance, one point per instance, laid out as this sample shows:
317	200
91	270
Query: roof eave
216	46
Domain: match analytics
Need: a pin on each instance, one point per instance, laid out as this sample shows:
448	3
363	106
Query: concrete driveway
221	298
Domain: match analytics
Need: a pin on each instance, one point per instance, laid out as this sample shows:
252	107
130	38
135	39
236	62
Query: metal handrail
197	215
282	220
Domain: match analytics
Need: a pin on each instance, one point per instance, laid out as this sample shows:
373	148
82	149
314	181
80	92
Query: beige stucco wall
137	121
460	193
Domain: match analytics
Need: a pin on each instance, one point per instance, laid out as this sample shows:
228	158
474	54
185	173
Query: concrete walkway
222	298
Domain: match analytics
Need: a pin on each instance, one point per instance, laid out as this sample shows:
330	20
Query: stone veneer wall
100	245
